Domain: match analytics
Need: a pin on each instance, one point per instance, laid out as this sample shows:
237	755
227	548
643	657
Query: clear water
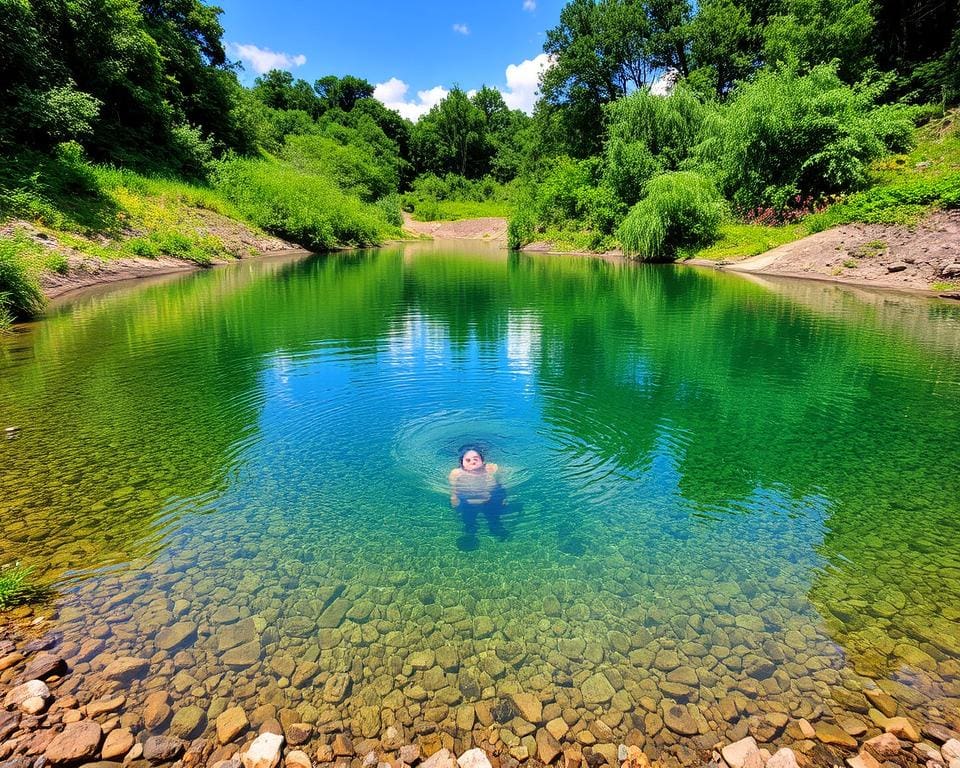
756	482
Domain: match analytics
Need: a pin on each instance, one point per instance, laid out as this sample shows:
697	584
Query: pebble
117	744
231	723
829	733
736	754
263	752
902	729
162	749
474	758
32	689
597	689
77	742
297	759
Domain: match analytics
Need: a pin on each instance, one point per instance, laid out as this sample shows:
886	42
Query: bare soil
492	229
925	257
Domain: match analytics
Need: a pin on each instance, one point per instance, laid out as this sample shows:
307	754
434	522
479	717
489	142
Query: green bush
649	134
681	210
787	139
20	293
521	230
305	208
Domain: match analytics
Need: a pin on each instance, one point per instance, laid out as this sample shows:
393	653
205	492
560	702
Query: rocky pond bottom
731	512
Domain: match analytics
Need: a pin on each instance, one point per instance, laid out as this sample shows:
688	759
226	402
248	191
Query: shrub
20	293
306	208
521	229
785	136
681	210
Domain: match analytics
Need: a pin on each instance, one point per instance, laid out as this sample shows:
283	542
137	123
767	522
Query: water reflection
689	458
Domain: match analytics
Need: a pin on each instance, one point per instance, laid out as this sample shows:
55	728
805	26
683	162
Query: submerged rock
78	741
264	752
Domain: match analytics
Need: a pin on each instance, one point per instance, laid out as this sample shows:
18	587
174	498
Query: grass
21	262
17	587
741	241
456	210
946	286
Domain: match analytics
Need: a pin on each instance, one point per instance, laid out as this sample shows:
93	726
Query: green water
740	498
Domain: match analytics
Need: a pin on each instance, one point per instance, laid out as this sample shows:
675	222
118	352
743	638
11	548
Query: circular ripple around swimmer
429	447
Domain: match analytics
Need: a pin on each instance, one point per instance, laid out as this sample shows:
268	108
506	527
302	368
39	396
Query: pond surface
724	501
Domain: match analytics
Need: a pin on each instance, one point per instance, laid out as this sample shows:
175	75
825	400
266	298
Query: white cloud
530	5
462	29
393	95
523	82
262	60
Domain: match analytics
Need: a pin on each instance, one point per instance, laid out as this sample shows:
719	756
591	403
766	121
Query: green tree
450	138
278	89
342	92
724	45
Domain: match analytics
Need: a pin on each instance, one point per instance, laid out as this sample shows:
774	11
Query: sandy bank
922	258
492	229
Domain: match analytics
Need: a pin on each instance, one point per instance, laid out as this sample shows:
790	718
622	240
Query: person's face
471	461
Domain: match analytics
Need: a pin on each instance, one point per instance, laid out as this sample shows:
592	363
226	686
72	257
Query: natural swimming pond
728	505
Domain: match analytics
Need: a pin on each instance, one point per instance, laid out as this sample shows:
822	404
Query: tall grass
680	211
17	586
308	209
20	293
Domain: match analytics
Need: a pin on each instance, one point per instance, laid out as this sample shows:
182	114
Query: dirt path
926	257
492	229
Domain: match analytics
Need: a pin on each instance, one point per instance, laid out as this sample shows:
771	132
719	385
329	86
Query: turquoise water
730	497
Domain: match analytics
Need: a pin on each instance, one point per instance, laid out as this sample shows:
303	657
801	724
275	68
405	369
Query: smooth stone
548	747
558	727
950	749
882	701
884	746
117	744
442	758
597	689
126	669
342	745
529	706
421	659
474	758
187	722
902	729
32	689
336	688
324	753
736	754
243	656
666	660
103	706
42	666
750	622
333	616
678	719
263	752
828	733
297	759
78	741
233	635
939	733
483	626
409	753
33	706
231	723
863	760
684	675
162	749
783	758
11	660
175	635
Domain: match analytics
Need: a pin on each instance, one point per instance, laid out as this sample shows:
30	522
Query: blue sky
415	50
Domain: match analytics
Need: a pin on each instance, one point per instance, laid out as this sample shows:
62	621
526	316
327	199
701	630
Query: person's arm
452	477
492	468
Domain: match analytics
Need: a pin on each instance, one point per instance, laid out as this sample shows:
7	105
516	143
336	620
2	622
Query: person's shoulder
455	473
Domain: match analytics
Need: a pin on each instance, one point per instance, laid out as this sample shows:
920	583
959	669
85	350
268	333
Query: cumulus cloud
523	82
530	5
262	60
393	95
462	29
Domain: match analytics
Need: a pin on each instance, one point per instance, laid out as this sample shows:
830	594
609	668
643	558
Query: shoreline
57	710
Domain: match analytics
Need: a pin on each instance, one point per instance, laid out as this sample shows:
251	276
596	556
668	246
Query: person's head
471	459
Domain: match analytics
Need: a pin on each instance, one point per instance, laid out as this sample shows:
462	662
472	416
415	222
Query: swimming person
474	489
